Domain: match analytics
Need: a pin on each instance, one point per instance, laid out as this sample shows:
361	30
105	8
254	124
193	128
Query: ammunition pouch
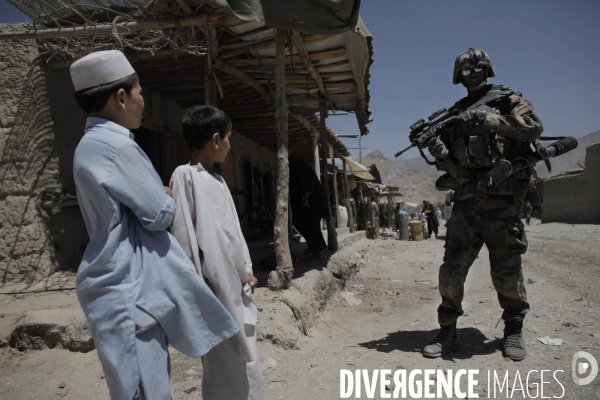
501	170
459	151
455	171
479	187
479	149
446	182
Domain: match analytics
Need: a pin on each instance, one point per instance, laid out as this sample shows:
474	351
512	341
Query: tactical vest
473	156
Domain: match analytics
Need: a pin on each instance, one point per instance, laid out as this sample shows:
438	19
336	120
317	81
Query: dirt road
397	286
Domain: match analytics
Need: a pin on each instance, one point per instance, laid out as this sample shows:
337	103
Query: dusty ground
397	316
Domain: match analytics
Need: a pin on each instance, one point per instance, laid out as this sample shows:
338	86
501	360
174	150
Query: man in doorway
309	205
373	214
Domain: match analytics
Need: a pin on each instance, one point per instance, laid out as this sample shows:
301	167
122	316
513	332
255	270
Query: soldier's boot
514	344
446	341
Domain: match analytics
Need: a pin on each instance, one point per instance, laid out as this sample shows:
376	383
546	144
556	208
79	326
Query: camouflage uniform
494	221
484	213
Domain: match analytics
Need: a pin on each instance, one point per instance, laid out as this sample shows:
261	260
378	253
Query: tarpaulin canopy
359	170
307	16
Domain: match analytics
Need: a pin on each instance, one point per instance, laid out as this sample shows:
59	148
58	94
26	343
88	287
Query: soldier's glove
438	149
470	117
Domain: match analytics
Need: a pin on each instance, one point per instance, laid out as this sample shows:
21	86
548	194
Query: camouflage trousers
494	222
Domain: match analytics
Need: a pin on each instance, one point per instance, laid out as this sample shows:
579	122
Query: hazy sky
547	49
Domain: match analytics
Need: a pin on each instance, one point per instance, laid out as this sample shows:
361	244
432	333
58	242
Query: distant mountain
572	159
418	164
415	186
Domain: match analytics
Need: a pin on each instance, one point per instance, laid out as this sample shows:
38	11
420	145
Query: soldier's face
474	79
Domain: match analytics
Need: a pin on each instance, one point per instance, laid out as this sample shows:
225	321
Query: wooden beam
321	67
240	48
312	85
323	55
305	56
242	76
124	27
134	58
306	124
332	242
210	86
250	33
185	7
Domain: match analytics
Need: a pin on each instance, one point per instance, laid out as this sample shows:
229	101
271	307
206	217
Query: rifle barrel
403	151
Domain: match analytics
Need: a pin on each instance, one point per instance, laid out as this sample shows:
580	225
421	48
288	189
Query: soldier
484	212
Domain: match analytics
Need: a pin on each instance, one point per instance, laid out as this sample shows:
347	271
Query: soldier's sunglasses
467	71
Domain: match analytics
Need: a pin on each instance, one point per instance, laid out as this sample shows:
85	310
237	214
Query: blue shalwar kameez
137	287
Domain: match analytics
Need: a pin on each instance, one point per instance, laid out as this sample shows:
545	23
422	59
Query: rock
102	376
269	363
190	389
62	385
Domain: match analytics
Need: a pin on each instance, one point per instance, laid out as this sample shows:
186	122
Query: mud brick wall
40	127
592	171
575	198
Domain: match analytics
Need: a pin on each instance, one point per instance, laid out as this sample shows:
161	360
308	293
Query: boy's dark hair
201	122
94	99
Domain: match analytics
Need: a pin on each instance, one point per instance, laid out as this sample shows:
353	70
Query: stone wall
40	126
575	197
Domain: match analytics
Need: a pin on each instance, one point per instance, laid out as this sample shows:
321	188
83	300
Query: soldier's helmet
472	58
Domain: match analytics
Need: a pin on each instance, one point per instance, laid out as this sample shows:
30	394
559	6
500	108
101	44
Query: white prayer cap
100	68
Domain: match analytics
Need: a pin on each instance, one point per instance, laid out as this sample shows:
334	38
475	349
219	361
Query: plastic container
343	215
416	229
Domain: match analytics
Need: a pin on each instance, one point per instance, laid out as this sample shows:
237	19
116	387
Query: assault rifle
422	132
441	122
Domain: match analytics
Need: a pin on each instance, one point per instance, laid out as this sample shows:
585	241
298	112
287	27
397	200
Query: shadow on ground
472	342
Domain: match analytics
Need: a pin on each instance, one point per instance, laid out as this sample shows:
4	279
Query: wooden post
346	191
332	242
210	86
335	195
389	212
316	156
281	278
347	196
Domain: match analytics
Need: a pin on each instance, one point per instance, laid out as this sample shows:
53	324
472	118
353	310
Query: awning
359	170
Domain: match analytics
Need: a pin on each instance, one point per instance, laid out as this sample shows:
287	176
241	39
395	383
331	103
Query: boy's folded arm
183	222
134	182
